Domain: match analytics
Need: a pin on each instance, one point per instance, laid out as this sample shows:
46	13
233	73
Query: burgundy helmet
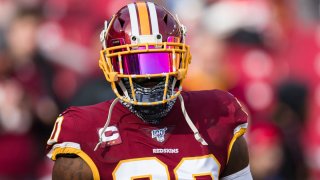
144	41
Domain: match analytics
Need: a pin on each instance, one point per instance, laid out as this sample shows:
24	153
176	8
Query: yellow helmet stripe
143	18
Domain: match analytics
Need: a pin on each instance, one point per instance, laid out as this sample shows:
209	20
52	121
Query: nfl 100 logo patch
159	134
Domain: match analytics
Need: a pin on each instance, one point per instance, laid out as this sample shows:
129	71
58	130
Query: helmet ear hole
121	21
165	18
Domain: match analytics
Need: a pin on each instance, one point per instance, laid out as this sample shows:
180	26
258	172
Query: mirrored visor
144	63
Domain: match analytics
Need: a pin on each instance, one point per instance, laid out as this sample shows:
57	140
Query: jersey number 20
153	168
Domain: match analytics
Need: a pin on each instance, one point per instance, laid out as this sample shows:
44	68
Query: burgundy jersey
133	149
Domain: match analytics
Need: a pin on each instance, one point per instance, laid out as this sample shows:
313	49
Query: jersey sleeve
240	121
64	137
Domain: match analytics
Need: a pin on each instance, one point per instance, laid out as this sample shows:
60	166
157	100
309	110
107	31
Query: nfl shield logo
159	134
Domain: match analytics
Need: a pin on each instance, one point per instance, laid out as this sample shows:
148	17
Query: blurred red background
265	52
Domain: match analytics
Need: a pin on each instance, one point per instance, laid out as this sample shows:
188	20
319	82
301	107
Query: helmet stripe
133	19
154	18
144	18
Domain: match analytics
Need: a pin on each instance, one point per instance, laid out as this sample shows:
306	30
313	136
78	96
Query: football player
152	130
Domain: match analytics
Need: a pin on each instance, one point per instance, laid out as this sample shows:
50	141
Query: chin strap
196	133
114	102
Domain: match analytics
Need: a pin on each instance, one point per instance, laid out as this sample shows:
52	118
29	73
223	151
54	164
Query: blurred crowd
265	52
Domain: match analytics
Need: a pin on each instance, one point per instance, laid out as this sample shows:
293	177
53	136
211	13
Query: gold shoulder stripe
80	153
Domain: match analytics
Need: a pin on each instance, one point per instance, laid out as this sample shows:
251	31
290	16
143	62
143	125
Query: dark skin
71	169
77	169
239	158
